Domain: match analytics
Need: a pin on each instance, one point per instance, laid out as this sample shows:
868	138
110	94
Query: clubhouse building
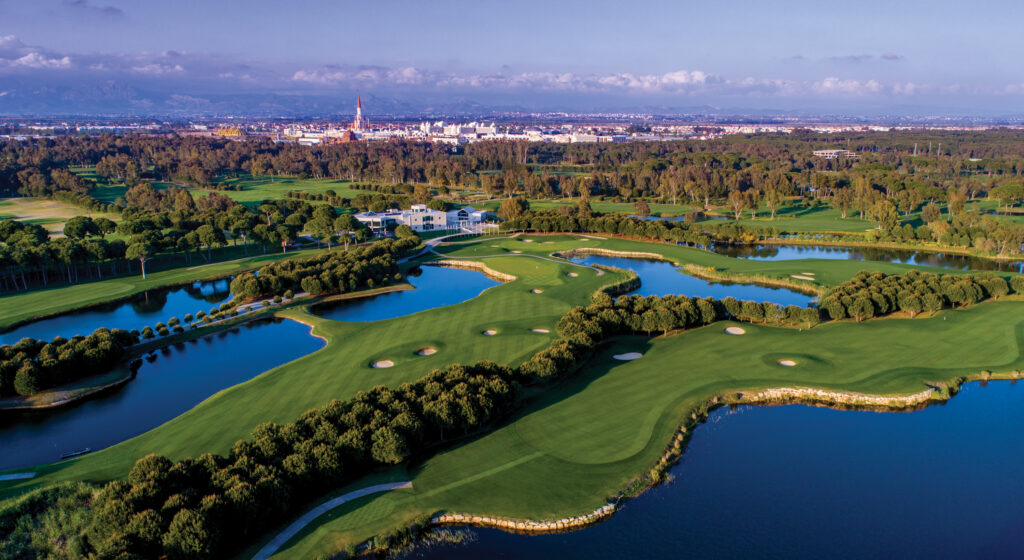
420	219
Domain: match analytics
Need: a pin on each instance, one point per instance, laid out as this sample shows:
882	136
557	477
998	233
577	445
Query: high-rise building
358	123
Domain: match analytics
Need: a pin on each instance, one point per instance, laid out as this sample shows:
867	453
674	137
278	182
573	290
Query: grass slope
50	214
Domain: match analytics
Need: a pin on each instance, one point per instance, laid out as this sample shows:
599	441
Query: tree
843	201
885	214
188	537
389	447
512	208
642	209
404	232
80	227
738	202
210	236
142	252
931	213
772	200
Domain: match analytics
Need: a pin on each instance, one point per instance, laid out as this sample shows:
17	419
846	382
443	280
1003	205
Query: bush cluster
31	366
873	294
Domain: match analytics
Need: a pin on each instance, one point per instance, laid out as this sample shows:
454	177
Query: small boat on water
75	453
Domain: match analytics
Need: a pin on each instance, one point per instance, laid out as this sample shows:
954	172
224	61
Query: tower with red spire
358	123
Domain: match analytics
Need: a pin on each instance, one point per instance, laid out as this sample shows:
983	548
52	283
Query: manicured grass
581	441
254	190
586	439
50	214
18	307
343	367
803	218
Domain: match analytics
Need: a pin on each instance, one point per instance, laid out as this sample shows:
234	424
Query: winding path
275	543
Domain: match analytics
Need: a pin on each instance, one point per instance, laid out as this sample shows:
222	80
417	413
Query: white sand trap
490	332
801	277
735	330
528	240
428	351
807	273
541	331
628	356
536	291
549	242
495	245
383	364
516	252
572	275
787	363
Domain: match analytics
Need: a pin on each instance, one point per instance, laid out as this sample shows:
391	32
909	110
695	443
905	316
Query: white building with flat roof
421	218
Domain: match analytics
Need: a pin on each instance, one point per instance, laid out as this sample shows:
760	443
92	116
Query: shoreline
807	396
472	265
959	251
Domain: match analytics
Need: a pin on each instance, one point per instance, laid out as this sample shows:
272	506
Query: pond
794	252
803	482
435	287
659	278
142	310
181	376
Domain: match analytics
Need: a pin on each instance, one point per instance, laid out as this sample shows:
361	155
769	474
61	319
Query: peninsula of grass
50	214
578	443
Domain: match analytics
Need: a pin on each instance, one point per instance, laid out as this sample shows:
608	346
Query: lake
142	310
794	252
435	287
806	483
181	376
659	278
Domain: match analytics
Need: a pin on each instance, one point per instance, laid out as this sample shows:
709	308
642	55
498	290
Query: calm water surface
435	287
180	377
145	309
658	278
792	252
808	483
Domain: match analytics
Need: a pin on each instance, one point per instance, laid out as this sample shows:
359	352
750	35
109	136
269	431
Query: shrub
288	294
189	317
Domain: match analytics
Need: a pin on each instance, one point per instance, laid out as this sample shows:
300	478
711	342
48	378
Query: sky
872	57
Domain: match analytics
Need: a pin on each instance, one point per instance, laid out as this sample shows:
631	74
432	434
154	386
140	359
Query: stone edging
809	395
472	265
525	525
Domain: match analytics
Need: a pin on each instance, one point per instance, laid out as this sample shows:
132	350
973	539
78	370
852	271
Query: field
583	440
253	190
665	210
47	213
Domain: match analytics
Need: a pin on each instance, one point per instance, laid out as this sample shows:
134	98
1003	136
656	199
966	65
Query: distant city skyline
871	57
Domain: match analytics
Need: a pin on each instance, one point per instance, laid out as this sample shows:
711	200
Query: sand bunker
807	273
549	242
490	332
735	330
495	245
383	364
426	351
628	356
536	291
800	277
528	240
572	275
541	331
787	363
516	252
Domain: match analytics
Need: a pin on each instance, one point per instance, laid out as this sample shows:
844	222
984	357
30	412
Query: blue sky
957	57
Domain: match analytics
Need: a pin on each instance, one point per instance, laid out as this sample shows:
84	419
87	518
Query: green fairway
252	190
587	438
657	209
581	441
19	307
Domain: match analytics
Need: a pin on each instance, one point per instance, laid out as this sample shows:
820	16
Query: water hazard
794	252
803	482
142	310
181	376
435	287
659	278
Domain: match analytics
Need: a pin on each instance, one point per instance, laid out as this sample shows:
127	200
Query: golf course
573	446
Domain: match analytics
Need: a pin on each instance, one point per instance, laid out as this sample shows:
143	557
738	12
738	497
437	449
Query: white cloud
38	60
157	69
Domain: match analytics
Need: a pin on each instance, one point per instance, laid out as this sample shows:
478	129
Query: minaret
358	124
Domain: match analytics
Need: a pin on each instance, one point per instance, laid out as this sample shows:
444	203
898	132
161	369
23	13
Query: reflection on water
142	310
659	278
169	382
793	252
806	483
435	287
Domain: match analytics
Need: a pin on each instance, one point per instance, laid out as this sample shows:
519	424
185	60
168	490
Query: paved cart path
293	529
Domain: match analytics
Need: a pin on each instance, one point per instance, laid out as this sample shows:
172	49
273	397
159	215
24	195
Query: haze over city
264	58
